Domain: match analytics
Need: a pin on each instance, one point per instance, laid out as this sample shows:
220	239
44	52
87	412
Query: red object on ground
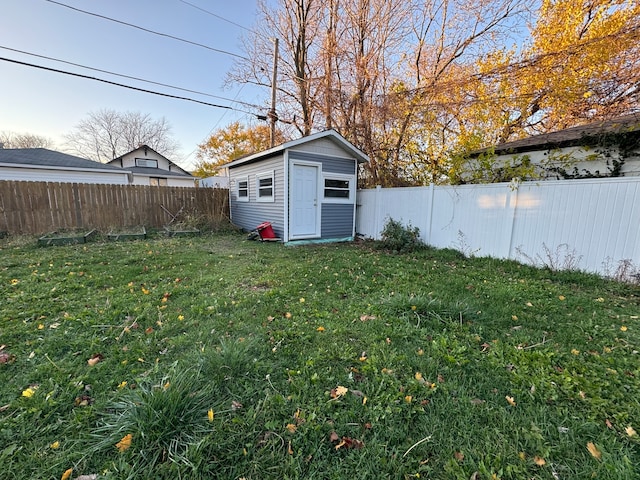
265	231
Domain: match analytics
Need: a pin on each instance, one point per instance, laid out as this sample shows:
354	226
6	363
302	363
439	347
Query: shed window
264	186
338	188
243	189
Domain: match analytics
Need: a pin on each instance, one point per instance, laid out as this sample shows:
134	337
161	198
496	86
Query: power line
226	107
130	77
217	16
148	30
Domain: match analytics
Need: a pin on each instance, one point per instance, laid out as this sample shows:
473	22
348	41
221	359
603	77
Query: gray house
43	165
305	188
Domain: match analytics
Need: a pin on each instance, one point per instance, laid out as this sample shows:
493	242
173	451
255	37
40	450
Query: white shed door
304	205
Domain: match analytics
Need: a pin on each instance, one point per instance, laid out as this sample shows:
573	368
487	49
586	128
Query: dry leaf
320	329
630	431
93	476
7	357
339	391
292	427
210	414
334	437
459	456
235	405
510	400
30	392
125	443
364	318
66	474
593	450
608	423
95	358
539	461
348	442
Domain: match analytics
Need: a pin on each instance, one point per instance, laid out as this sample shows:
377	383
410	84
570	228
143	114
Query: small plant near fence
625	271
562	257
400	238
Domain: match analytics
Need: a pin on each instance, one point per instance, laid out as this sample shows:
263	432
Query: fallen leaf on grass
30	392
339	391
7	357
292	427
593	450
630	431
235	405
459	456
210	414
66	474
95	358
55	445
348	442
539	461
125	443
510	400
320	329
83	401
608	423
93	476
364	318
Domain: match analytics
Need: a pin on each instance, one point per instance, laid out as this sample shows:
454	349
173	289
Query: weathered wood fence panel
590	224
41	207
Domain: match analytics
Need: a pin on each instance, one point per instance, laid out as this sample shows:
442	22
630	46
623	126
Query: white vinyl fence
591	225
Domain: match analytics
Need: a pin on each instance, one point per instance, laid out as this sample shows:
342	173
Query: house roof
332	135
42	157
150	170
570	136
158	172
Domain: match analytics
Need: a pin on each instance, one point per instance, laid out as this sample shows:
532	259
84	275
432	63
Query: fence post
512	203
376	214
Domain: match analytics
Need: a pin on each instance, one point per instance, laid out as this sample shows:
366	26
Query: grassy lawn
216	357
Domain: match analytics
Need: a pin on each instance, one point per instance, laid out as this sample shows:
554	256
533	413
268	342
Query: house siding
337	220
248	215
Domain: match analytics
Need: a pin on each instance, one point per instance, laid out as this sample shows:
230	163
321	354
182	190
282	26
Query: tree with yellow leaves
229	143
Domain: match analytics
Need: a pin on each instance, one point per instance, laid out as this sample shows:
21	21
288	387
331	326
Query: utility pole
273	116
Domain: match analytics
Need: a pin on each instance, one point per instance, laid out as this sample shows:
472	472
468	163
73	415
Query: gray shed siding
337	220
248	215
329	164
322	146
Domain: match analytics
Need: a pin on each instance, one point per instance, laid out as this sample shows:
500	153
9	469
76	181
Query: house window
243	189
145	162
339	188
158	182
264	187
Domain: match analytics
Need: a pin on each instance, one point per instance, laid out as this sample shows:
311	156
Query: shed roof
332	135
571	136
42	157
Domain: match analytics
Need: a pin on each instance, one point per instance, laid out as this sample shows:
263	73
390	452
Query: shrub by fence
40	207
591	225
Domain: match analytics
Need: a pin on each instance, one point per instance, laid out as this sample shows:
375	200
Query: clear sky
51	104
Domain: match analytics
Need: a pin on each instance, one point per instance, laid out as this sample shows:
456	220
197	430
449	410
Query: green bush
400	238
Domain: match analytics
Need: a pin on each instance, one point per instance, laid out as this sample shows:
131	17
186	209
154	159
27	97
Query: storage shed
305	188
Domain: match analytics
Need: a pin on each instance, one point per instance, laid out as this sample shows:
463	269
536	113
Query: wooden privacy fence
592	225
41	207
